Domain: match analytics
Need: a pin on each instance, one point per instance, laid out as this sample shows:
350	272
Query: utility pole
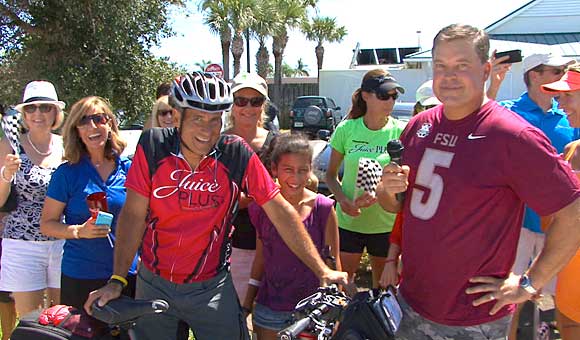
248	49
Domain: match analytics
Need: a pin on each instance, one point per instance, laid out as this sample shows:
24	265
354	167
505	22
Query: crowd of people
227	224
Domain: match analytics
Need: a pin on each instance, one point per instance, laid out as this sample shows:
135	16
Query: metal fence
284	95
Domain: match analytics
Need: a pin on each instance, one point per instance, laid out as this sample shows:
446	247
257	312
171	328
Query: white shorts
529	247
30	265
241	263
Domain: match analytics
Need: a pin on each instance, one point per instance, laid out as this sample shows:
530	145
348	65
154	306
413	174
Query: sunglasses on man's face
164	113
43	108
387	95
243	101
98	119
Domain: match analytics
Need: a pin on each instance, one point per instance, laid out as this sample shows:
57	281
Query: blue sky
373	23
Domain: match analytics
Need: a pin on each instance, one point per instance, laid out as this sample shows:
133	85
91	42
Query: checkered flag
11	128
369	174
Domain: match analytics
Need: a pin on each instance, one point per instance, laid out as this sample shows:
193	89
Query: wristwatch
526	284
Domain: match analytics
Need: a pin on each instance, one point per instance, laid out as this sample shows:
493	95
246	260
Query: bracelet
246	310
75	229
3	176
254	282
390	260
119	279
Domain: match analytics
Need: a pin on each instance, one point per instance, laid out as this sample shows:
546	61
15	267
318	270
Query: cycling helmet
202	91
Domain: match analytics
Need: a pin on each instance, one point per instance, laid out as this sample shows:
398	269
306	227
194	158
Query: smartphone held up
514	56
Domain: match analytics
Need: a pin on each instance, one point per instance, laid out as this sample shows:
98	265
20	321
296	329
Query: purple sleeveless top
286	279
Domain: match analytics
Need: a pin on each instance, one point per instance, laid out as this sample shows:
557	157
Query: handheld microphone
395	149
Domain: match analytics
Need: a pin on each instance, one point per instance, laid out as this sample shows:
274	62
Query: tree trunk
319	50
225	38
262	58
278	45
237	51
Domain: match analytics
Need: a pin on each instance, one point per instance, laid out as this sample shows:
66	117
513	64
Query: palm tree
323	29
202	64
217	18
266	24
290	13
241	17
301	69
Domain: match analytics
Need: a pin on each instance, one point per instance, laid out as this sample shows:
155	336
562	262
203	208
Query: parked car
401	111
310	114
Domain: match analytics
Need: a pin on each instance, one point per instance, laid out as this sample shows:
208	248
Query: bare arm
332	239
498	72
289	226
130	228
562	242
51	225
11	163
346	204
256	274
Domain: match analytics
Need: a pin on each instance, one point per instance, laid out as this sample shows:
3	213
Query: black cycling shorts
353	242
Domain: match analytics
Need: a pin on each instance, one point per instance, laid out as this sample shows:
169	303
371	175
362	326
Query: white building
540	26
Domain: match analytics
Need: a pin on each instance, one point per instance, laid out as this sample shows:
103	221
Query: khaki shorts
416	327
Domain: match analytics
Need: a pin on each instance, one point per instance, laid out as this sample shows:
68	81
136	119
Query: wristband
246	310
3	176
254	282
119	279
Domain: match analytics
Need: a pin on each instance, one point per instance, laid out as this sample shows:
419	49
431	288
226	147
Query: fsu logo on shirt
424	130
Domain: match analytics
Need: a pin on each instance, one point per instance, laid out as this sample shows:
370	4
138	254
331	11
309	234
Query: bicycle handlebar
125	309
295	329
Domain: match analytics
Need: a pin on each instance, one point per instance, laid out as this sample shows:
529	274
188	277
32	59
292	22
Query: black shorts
353	242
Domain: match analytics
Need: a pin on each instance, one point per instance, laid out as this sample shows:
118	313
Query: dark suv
313	113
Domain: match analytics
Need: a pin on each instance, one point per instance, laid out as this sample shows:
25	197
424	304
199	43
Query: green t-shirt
354	140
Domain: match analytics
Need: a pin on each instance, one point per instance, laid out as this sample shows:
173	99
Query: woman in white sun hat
30	266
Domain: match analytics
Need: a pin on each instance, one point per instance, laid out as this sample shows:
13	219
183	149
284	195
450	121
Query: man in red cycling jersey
182	195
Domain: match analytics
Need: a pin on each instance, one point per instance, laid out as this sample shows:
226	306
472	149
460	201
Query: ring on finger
491	297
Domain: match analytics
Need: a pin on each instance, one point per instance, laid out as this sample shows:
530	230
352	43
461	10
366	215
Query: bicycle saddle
125	309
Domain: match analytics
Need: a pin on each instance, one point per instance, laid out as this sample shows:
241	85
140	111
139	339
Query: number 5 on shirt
427	178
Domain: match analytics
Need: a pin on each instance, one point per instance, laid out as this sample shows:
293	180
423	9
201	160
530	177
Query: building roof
566	49
540	38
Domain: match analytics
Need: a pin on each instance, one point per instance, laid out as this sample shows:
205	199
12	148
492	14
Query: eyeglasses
386	95
44	108
243	101
555	71
164	113
98	119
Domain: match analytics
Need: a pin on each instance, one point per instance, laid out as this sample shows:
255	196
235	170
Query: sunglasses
43	108
243	101
164	113
98	119
555	71
386	96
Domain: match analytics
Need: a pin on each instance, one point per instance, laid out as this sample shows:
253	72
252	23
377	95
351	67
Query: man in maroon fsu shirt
469	166
182	195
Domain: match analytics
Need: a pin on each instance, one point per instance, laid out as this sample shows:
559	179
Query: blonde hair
58	119
160	102
74	148
359	106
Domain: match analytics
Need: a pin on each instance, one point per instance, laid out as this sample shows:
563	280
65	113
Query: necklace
48	152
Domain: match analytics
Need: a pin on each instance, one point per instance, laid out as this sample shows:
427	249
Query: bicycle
329	314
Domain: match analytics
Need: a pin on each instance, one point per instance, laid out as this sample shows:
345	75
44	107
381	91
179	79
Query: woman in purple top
279	278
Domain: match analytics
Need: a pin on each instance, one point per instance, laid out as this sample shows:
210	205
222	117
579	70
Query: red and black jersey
189	225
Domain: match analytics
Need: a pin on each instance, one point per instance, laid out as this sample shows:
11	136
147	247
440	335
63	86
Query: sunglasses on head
243	101
98	119
164	113
43	108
